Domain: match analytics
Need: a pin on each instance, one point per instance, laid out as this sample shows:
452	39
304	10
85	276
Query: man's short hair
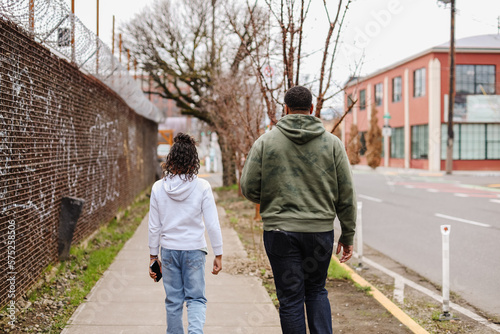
298	98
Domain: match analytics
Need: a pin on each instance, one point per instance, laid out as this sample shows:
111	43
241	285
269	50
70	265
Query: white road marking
495	200
432	190
399	290
374	199
460	195
461	220
431	294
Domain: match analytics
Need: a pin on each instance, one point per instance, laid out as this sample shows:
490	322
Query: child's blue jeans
184	280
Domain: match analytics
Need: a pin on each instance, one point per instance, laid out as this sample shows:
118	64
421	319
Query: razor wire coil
51	23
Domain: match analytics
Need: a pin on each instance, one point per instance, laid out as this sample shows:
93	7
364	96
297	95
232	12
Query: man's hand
217	264
151	273
347	253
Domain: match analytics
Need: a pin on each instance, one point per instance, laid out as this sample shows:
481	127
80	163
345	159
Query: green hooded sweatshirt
300	175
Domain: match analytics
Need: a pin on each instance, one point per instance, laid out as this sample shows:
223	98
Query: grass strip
64	285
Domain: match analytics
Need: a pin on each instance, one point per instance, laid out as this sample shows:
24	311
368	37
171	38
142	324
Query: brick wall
62	133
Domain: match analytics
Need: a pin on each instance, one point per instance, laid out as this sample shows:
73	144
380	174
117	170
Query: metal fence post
359	234
445	232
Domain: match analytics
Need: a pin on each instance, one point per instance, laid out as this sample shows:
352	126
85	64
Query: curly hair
182	159
298	98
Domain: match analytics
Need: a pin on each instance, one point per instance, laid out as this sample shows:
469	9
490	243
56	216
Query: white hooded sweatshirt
175	216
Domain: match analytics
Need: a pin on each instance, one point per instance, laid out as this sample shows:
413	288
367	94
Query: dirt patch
353	310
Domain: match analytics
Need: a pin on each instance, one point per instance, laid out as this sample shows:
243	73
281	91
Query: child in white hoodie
179	201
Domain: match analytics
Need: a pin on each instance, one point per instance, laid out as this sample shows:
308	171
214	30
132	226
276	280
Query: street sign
387	116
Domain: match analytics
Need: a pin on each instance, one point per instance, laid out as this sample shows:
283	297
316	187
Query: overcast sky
380	31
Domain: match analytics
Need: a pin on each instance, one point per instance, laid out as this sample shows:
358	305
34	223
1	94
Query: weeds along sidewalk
126	300
63	286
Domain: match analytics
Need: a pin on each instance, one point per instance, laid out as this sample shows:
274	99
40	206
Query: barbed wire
51	23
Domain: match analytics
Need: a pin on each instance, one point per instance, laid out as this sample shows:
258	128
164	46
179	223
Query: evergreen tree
374	142
354	145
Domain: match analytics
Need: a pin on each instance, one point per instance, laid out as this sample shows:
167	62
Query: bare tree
290	17
186	49
260	48
336	128
240	113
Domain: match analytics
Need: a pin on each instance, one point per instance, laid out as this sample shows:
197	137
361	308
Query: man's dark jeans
300	266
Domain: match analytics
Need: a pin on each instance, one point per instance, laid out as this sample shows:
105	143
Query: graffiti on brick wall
62	133
103	132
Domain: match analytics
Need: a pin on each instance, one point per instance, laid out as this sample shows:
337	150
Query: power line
476	19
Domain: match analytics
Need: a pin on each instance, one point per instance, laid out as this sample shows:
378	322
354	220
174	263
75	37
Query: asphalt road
402	215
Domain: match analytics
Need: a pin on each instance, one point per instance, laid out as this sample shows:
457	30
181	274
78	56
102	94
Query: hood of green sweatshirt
300	128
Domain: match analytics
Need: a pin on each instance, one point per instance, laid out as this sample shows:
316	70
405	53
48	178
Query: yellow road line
495	185
386	302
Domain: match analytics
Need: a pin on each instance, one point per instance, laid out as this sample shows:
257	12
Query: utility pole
451	95
120	47
32	16
97	41
135	69
113	40
128	60
73	55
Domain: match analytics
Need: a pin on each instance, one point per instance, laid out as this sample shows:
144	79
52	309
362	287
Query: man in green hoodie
301	177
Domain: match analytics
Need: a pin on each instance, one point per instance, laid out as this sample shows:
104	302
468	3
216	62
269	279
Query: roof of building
476	44
479	42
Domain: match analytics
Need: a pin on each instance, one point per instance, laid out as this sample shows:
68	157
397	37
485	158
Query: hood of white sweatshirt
177	188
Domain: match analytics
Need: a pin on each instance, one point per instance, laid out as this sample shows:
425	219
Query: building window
362	141
475	79
419	82
379	93
350	101
362	99
398	143
396	89
492	141
472	141
419	141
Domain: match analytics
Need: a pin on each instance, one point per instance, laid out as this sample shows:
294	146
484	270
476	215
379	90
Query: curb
384	301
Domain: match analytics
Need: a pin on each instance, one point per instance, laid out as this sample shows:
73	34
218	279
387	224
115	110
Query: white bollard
445	232
359	233
207	164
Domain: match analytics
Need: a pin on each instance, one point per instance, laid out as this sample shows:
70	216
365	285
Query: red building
412	95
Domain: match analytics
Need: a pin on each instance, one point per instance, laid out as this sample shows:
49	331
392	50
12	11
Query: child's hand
217	264
151	273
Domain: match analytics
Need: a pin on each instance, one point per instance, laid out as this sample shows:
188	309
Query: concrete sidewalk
127	301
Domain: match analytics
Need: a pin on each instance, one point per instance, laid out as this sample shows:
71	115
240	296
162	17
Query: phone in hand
155	267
